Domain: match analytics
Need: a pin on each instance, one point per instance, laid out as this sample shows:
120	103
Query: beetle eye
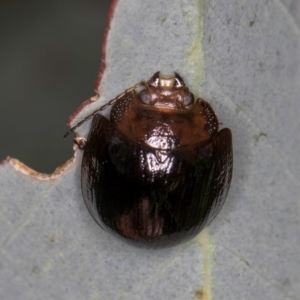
144	96
188	99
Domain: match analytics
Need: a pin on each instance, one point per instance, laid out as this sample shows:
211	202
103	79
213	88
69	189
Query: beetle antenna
103	107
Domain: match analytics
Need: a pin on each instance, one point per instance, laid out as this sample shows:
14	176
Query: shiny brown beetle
159	170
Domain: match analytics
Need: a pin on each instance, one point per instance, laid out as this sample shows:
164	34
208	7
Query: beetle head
167	92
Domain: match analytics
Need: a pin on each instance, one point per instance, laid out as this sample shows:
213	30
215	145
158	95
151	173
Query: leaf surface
243	58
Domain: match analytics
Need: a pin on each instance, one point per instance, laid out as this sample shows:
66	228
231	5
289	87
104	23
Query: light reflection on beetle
159	170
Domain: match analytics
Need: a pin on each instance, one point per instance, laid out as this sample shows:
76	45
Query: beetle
159	170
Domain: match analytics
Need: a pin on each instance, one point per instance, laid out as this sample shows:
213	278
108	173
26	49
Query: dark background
50	54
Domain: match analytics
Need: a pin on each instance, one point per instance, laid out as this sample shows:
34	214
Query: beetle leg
80	142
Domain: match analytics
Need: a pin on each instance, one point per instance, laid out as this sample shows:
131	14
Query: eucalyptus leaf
243	58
